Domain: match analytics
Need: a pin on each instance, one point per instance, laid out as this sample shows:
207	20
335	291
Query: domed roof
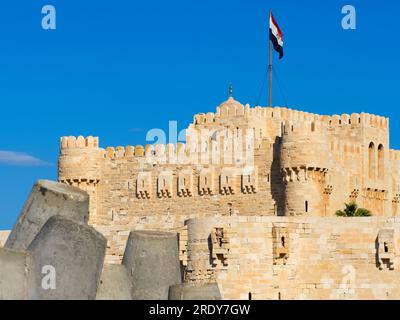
231	103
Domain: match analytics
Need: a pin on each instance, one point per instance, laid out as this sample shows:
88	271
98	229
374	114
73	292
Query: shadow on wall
276	179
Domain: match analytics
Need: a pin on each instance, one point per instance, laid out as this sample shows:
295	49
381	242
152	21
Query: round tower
80	164
305	163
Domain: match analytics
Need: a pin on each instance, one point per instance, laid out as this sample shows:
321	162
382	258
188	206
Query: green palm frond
352	210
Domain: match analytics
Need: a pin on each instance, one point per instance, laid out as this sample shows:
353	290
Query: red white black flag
275	35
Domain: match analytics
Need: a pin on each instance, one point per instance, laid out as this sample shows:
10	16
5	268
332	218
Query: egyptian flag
275	35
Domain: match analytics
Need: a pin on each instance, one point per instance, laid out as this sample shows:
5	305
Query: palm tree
352	210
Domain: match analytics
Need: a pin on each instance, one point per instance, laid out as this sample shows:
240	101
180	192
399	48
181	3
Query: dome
230	106
231	103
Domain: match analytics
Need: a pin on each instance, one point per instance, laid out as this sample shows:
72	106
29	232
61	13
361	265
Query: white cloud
20	159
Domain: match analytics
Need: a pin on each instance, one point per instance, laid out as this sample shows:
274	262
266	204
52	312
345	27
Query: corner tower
305	163
80	164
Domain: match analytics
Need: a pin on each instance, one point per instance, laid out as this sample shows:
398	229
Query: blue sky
118	68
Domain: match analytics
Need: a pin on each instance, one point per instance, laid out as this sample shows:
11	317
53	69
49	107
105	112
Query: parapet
159	153
233	108
72	142
80	159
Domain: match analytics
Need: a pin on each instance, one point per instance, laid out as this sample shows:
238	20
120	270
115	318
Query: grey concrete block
195	292
47	199
114	283
152	261
76	253
14	274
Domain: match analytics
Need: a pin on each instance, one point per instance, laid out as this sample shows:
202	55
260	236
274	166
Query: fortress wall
132	195
125	189
117	232
376	191
322	258
345	178
394	160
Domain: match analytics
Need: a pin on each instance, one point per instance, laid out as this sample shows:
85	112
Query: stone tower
80	164
305	163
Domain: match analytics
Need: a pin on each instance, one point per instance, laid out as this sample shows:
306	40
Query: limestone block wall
394	181
296	258
303	164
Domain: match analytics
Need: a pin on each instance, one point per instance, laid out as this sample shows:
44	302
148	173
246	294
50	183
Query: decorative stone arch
381	162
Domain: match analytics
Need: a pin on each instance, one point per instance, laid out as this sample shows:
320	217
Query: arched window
381	162
371	161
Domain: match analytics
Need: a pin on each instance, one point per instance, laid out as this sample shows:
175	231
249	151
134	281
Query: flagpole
270	66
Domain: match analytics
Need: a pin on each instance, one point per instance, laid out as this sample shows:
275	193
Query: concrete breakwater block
195	292
67	261
47	199
152	261
14	274
114	283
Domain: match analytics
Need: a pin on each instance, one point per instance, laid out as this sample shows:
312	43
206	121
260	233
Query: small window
283	241
306	206
250	296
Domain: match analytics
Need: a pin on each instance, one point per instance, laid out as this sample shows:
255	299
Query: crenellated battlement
159	152
304	163
232	109
72	142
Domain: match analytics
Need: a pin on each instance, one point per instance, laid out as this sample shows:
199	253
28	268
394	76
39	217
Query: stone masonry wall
296	258
302	164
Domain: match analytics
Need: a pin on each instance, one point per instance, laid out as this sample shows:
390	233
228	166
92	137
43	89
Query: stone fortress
253	195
